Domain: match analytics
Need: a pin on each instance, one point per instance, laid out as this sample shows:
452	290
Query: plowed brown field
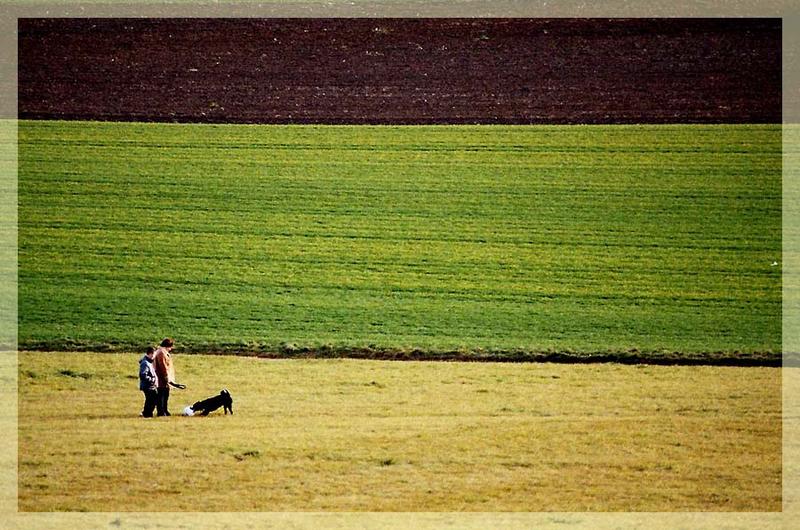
402	70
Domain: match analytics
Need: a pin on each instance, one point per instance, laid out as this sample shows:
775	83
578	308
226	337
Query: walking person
165	373
147	382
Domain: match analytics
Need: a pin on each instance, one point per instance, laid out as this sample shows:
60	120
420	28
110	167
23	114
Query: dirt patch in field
410	71
266	351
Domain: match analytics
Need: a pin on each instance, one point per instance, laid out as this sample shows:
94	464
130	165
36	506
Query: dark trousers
162	404
150	401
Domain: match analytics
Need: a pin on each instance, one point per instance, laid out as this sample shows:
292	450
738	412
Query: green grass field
485	240
351	435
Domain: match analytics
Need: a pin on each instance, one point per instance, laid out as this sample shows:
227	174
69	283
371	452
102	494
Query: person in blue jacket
148	382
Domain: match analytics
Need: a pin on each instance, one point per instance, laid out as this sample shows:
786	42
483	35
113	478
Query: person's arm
161	368
146	375
171	373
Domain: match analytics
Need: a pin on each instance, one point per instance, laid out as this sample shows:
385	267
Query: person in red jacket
165	374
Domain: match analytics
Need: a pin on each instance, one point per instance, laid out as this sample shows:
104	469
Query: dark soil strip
402	71
767	359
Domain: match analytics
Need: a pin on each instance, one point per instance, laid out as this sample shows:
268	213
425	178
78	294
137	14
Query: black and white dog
223	399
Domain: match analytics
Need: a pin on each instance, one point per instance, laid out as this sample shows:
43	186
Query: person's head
168	343
150	352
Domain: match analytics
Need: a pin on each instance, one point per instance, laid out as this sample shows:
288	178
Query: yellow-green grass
656	240
341	435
